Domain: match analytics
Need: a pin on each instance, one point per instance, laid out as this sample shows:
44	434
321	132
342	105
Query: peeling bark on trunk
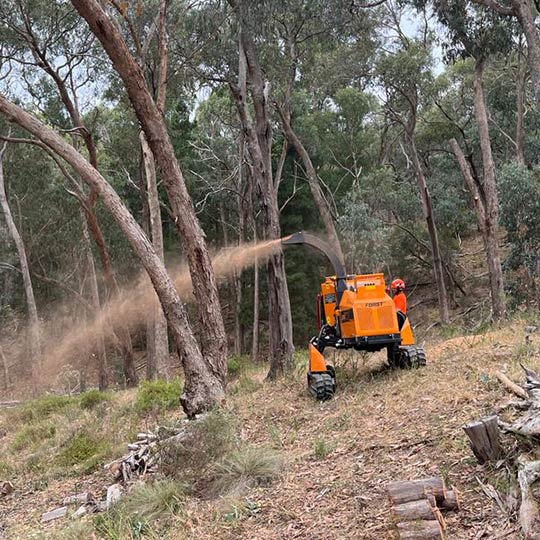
313	182
158	359
498	296
213	338
34	338
203	389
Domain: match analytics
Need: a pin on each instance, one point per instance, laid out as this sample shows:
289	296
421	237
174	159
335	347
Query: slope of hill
337	456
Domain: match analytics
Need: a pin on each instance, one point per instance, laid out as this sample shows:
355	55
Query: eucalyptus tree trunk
438	269
491	220
203	388
258	134
101	351
34	337
157	358
212	330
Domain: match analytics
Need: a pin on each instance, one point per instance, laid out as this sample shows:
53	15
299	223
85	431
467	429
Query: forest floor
381	426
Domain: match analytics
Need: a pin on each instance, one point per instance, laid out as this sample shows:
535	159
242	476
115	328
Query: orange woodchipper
355	312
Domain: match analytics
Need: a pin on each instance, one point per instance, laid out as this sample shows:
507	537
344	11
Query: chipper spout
323	247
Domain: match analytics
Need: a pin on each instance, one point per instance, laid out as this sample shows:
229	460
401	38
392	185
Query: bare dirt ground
381	426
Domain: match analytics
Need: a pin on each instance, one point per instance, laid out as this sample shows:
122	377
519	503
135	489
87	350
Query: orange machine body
365	311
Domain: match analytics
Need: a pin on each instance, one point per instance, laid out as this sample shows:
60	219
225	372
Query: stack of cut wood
484	436
144	454
417	507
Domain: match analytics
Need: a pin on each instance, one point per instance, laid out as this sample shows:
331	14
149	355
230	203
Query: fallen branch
511	386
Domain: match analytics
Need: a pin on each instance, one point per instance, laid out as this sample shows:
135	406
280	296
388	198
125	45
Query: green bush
234	365
157	396
92	398
81	448
246	467
32	434
43	407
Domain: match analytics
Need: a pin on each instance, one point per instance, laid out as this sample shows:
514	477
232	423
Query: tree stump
413	490
420	530
484	438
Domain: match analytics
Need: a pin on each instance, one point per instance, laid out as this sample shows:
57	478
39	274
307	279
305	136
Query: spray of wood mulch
133	306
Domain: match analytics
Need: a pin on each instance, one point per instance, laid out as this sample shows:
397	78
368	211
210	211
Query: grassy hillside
274	464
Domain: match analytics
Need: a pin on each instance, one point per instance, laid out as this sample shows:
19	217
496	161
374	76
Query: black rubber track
420	357
321	386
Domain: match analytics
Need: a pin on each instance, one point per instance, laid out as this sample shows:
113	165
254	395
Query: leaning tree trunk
212	329
203	388
158	359
498	297
34	337
313	181
438	270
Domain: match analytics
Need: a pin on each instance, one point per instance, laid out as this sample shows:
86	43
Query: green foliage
237	365
321	448
43	407
246	467
32	434
80	448
92	398
519	190
158	396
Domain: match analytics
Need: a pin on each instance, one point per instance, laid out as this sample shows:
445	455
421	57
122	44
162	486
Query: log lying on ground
485	439
414	510
529	511
420	530
413	490
452	501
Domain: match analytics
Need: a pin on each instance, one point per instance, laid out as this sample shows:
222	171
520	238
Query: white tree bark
34	337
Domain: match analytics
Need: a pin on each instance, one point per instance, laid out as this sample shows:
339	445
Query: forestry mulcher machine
354	311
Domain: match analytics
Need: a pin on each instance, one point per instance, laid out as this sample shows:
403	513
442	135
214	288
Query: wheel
321	386
413	357
420	357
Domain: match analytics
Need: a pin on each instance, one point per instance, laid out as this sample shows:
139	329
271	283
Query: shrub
141	512
157	396
32	434
92	398
234	365
205	441
246	467
43	407
79	449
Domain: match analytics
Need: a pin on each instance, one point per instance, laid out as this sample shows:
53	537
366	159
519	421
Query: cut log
452	501
422	509
420	530
511	386
54	514
411	511
9	404
484	438
413	490
6	488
